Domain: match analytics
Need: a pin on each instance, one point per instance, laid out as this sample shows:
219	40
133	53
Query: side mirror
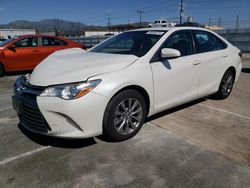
12	47
170	53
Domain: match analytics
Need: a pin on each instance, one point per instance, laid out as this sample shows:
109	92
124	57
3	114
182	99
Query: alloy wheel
128	116
227	83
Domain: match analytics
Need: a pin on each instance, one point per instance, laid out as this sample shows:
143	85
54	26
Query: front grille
32	118
28	111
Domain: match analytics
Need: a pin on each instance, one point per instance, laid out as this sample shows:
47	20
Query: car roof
38	35
171	28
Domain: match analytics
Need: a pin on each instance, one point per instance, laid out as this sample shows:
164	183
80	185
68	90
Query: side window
49	41
207	42
181	41
27	42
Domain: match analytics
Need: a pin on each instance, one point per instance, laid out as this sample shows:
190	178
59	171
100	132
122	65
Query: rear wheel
1	70
124	115
226	85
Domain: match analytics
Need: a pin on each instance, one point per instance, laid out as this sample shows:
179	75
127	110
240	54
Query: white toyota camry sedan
113	87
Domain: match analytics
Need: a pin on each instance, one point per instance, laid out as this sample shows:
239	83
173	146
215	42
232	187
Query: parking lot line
5	161
4	120
7	108
225	111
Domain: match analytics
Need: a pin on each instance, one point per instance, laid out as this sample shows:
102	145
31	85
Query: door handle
225	55
196	62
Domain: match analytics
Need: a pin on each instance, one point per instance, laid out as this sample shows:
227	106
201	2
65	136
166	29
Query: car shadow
245	70
81	143
57	142
161	114
175	109
166	64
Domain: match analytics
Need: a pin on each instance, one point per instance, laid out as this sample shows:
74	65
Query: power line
131	11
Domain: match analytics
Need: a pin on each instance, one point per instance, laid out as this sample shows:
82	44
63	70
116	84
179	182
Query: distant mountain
45	25
49	25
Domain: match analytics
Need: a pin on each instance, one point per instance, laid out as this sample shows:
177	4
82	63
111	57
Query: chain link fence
238	37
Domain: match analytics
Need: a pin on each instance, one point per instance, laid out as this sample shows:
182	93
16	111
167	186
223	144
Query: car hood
75	65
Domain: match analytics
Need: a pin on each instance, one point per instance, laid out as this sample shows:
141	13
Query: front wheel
226	85
124	115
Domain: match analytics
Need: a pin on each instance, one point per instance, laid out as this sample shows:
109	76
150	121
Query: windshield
6	41
136	43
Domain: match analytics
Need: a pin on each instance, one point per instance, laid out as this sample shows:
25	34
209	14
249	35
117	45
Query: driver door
176	80
22	57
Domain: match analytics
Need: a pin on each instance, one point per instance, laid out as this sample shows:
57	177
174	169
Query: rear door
23	56
211	50
176	80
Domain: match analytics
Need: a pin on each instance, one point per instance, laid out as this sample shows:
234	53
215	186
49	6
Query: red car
25	52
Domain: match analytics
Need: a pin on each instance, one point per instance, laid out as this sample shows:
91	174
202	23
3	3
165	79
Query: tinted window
6	41
27	42
49	41
134	42
181	41
206	42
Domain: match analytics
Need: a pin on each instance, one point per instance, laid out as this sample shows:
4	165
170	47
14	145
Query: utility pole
78	28
209	22
140	14
109	20
56	33
237	22
219	22
181	8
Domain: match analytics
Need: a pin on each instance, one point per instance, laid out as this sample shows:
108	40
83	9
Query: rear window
49	41
206	42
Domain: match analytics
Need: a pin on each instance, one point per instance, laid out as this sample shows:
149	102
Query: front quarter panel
137	74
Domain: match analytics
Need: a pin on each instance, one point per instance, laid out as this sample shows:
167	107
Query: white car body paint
167	84
75	65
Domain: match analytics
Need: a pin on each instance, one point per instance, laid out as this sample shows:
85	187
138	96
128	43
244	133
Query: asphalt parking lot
205	143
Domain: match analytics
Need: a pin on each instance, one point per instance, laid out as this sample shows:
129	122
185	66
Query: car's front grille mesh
32	118
28	111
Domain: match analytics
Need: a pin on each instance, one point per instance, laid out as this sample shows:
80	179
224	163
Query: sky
96	12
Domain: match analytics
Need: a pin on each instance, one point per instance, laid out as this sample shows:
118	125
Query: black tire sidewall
108	125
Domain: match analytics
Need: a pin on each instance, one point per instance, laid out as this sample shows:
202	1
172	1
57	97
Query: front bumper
53	116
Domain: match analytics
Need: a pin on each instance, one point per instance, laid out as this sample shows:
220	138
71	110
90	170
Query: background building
9	33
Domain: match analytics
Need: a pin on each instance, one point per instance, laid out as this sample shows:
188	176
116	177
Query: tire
226	85
124	115
1	70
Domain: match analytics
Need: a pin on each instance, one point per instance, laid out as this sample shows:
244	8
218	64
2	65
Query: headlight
70	91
